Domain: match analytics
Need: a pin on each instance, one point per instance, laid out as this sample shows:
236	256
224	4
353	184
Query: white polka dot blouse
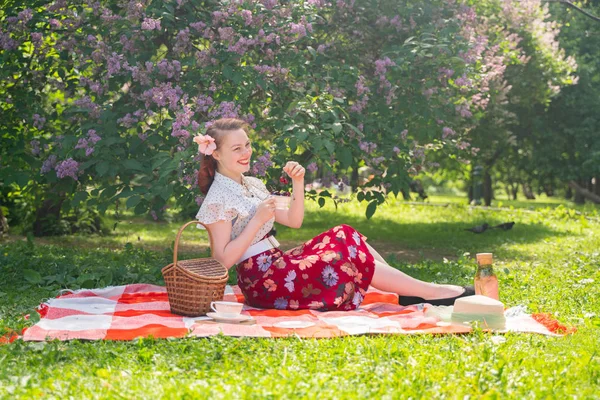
228	200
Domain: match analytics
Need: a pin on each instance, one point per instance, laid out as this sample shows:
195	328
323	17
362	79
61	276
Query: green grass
549	262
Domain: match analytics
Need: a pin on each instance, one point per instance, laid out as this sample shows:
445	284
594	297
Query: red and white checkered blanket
130	311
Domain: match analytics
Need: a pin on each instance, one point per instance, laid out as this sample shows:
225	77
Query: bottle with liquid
486	282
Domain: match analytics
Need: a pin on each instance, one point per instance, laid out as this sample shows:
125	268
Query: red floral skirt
331	271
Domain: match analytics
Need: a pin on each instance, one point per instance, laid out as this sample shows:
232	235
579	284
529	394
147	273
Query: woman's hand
265	210
294	170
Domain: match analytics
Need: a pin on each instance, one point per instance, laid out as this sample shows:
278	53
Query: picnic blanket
142	310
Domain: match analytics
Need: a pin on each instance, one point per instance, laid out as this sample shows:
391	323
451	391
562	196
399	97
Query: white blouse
228	200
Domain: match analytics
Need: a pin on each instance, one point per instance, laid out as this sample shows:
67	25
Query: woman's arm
227	251
294	216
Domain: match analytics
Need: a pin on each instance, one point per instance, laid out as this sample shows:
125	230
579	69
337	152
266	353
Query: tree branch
573	6
585	193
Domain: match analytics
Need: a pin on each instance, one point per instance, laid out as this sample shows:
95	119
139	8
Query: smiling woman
331	271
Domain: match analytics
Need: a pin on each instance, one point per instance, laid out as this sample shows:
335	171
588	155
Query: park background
415	120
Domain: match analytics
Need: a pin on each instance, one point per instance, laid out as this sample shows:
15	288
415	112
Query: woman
331	271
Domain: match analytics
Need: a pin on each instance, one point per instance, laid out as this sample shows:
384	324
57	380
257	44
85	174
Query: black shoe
448	301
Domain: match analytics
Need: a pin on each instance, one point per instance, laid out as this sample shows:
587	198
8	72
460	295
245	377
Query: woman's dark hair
208	165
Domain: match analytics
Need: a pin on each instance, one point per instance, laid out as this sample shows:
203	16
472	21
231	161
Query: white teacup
228	309
282	202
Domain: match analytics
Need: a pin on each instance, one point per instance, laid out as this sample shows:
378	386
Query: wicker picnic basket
193	284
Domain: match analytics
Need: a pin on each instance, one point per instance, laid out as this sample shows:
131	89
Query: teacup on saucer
227	309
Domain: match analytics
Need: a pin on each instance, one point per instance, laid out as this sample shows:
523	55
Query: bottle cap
484	258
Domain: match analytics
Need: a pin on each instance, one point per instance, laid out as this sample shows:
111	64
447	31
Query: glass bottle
486	282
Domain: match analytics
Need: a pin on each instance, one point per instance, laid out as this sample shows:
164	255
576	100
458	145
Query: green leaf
371	209
78	198
344	155
337	127
32	276
329	145
134	165
133	201
166	192
321	202
102	168
360	196
355	129
140	208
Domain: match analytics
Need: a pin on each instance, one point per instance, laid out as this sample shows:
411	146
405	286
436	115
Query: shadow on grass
432	240
409	241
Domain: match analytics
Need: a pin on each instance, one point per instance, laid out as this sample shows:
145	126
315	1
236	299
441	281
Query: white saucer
237	318
293	324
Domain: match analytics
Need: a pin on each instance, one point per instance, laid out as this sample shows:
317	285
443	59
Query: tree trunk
3	224
581	194
569	193
528	192
354	178
488	192
515	191
48	213
597	185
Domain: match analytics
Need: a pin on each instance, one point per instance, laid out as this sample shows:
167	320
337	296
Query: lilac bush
108	95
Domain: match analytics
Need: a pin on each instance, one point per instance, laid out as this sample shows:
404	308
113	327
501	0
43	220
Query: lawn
549	262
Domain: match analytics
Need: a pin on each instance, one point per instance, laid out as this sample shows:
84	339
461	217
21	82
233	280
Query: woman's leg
376	254
389	279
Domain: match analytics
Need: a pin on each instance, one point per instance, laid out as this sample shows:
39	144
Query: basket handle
179	235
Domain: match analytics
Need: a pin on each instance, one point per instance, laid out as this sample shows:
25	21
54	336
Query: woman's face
234	152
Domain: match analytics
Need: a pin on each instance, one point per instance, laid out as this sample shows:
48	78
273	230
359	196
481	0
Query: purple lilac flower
226	34
93	137
113	64
169	69
397	23
127	121
226	109
199	200
82	143
367	147
36	37
182	44
218	17
261	164
198	26
149	24
54	23
312	167
25	15
247	15
361	88
403	134
447	132
86	102
48	164
69	167
463	110
35	147
38	121
163	95
269	4
378	160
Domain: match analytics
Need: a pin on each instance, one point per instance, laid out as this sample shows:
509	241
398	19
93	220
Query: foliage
100	99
